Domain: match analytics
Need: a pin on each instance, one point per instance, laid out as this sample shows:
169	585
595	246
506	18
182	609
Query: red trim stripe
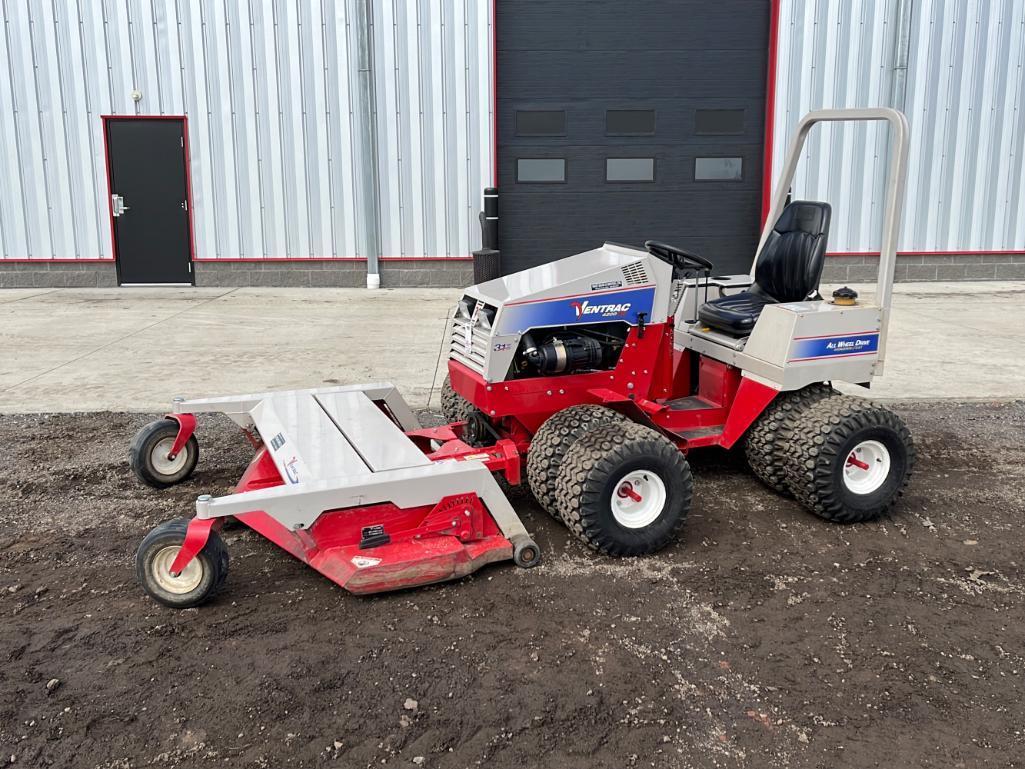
770	108
837	336
948	252
577	296
844	355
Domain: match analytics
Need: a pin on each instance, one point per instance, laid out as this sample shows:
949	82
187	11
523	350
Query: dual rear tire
845	459
622	488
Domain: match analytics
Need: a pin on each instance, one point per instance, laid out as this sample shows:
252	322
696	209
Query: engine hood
609	267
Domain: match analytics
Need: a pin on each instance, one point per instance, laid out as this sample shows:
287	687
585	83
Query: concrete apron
135	348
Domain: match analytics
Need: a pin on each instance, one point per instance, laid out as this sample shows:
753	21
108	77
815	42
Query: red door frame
188	185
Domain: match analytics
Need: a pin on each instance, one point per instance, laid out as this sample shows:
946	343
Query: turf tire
551	442
820	445
765	443
453	405
591	472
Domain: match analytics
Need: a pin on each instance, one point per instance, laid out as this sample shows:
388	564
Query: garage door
629	121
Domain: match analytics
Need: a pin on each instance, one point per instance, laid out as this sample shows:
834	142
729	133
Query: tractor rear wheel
850	459
765	444
453	405
625	490
551	442
196	583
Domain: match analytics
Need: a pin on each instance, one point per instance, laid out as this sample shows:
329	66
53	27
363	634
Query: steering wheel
677	257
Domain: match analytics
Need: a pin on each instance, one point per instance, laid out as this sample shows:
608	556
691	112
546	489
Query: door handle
118	206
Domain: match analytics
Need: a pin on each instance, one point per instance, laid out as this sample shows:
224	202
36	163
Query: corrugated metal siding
269	88
432	81
965	100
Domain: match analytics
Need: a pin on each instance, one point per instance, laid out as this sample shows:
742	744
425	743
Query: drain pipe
367	143
901	54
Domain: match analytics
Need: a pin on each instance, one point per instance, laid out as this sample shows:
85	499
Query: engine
549	352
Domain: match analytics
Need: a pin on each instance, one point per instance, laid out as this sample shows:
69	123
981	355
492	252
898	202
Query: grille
635	274
472	354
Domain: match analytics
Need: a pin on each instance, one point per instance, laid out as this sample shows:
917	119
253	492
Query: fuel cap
845	297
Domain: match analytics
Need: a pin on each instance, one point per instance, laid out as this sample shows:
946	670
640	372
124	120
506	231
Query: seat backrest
789	265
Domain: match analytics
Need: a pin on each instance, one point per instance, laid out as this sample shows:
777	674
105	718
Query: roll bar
896	179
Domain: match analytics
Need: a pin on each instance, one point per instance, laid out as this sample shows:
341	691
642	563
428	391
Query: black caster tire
553	440
453	405
197	583
850	459
526	554
149	455
625	490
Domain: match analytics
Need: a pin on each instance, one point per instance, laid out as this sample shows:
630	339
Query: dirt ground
766	638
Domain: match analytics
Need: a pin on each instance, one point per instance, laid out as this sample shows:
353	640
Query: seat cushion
735	314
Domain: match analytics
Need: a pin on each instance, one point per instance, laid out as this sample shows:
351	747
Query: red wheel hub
626	490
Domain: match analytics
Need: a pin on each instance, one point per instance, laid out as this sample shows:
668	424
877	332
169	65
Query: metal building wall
964	96
270	88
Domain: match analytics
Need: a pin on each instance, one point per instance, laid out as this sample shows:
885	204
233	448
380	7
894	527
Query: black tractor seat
788	269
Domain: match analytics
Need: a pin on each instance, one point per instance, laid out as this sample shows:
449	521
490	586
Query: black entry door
629	121
148	184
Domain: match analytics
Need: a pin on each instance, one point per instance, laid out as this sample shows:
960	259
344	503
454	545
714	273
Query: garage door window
718	169
540	122
630	122
629	169
541	170
719	121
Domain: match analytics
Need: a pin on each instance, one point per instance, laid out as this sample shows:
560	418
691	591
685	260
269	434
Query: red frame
649	373
188	183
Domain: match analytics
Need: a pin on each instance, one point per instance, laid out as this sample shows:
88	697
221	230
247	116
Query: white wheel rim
160	457
637	500
866	467
187	581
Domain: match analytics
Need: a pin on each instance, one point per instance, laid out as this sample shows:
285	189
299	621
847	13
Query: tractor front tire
766	443
551	442
453	405
150	455
196	583
850	459
625	490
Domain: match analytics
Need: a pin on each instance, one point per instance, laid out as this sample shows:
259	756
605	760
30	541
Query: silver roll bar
896	179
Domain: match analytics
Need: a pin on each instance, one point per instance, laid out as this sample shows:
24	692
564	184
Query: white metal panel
433	90
964	98
269	89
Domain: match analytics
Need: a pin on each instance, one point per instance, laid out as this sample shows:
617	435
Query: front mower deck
338	484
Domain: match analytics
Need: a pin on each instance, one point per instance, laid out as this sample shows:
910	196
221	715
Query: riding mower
602	370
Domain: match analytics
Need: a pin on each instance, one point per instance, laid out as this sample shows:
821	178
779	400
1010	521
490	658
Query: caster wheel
196	583
150	455
526	554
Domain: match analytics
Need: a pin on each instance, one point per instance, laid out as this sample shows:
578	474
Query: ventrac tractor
600	372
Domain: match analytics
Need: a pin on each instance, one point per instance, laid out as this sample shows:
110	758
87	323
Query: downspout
367	147
901	54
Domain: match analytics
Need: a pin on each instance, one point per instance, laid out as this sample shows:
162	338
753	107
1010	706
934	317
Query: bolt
204	498
549	392
492	412
489	388
177	399
630	386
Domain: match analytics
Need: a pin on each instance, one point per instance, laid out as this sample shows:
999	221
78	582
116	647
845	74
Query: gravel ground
766	638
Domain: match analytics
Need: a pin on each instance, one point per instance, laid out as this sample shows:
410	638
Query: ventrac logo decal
614	305
586	309
290	471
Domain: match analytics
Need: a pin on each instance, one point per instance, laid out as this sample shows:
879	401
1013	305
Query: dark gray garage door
630	121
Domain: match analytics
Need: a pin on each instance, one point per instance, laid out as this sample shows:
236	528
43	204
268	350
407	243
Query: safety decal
615	305
813	348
